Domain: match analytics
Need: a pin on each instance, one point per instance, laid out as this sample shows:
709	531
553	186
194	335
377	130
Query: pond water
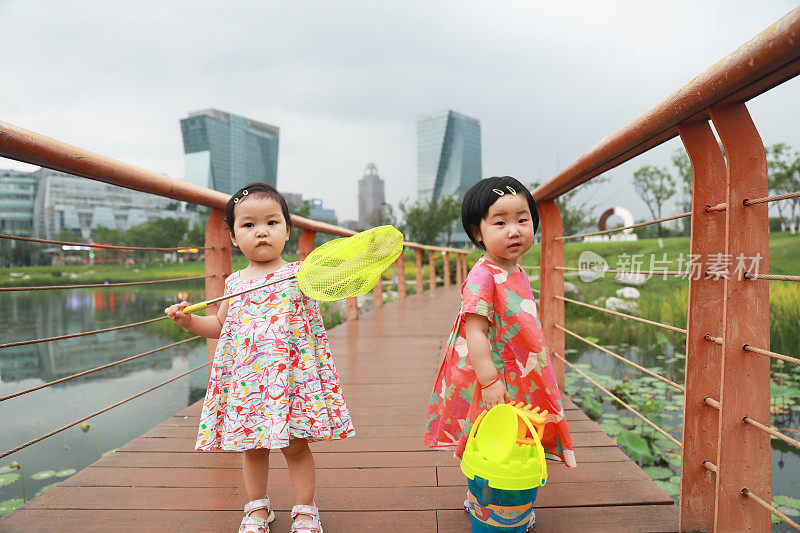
663	404
29	315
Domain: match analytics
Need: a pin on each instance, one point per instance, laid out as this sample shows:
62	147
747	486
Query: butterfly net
350	266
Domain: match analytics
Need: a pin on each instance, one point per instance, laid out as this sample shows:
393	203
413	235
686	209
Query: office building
448	154
225	152
370	197
17	196
72	203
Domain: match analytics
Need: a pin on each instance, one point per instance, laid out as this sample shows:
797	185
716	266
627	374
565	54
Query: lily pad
46	487
8	479
787	501
788	511
6	469
675	479
670	488
9	505
66	472
44	474
635	446
658	472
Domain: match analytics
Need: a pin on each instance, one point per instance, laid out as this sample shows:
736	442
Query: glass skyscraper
225	152
448	154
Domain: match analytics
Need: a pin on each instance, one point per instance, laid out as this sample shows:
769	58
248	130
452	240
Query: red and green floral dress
518	351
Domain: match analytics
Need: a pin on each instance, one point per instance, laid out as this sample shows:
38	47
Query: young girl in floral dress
273	383
496	352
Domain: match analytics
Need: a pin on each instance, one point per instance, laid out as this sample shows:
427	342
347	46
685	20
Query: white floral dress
273	377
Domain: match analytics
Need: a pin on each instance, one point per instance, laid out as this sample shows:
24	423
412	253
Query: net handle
203	305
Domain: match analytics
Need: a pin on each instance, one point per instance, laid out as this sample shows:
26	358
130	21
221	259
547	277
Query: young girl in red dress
496	352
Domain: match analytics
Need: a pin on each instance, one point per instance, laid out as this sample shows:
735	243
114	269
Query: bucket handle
535	442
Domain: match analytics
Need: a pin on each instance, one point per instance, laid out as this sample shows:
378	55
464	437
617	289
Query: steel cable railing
618	400
776	277
82	334
613	271
76	422
656	221
194	249
770	198
96	369
623	359
100	285
774	433
623	315
773	510
748	348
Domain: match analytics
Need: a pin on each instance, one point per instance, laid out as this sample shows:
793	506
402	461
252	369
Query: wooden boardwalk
383	480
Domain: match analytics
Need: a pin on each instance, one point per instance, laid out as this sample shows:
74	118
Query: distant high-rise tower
448	154
370	194
225	152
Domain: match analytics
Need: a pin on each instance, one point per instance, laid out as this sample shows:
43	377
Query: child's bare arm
480	355
209	326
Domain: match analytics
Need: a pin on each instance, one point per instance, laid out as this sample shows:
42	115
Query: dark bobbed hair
258	189
481	196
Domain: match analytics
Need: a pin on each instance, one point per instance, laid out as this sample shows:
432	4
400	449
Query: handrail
100	285
765	61
104	246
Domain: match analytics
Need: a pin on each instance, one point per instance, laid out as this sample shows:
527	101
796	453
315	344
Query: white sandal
253	524
306	526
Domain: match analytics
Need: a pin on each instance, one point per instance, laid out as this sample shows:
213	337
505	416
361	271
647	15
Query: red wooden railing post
400	267
377	294
306	243
703	358
446	268
418	271
459	279
743	454
551	309
218	264
431	271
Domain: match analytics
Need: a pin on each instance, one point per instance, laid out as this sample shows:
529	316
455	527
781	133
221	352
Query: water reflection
25	316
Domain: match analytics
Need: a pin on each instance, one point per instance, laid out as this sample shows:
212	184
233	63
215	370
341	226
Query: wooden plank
338	498
96	476
206	521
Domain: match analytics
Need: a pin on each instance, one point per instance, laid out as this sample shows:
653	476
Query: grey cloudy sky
346	80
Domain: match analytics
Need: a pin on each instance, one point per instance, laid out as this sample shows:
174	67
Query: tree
680	160
784	177
380	216
161	233
423	221
654	186
576	213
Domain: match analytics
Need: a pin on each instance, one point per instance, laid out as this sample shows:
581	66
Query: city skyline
548	81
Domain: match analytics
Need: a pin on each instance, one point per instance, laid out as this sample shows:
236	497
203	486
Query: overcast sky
346	80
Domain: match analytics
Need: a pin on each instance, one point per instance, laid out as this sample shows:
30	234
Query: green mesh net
350	266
